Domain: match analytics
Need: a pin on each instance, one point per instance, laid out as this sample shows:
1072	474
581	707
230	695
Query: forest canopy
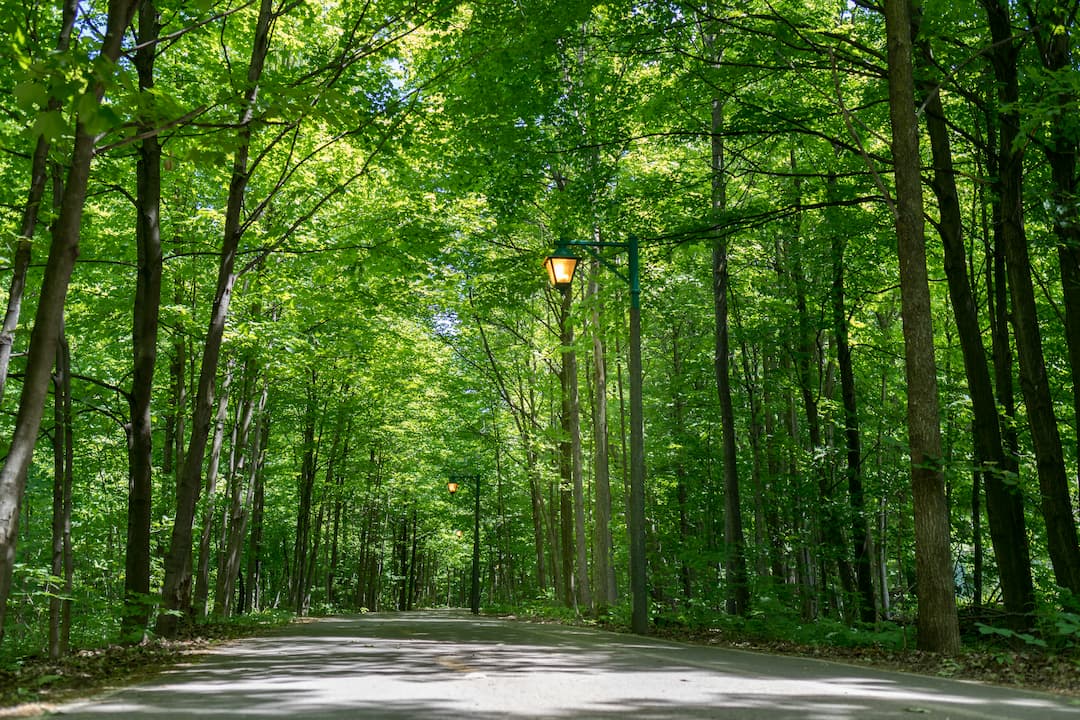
274	278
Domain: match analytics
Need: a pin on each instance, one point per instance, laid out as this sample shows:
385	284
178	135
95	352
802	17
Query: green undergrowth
1045	657
30	681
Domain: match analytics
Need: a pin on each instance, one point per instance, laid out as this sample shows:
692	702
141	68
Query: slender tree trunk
241	483
1057	511
303	513
50	311
773	523
255	541
738	590
176	590
144	345
567	378
860	529
339	504
938	628
202	572
603	560
583	591
682	493
63	459
173	454
1053	32
833	551
763	532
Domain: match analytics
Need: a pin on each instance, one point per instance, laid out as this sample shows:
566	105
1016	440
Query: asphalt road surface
452	665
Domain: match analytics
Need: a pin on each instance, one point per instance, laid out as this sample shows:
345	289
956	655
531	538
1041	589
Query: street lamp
560	266
452	486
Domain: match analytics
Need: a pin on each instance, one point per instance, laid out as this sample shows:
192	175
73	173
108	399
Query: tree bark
1005	504
860	529
568	375
1045	438
738	590
63	461
202	571
48	319
241	493
144	335
938	627
603	560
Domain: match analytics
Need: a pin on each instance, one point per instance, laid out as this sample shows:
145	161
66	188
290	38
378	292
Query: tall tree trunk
938	627
39	175
738	590
241	482
568	382
176	589
763	530
583	591
860	529
210	507
253	601
1034	384
303	513
808	363
603	560
144	335
173	453
682	492
1005	504
50	311
1053	32
338	491
63	461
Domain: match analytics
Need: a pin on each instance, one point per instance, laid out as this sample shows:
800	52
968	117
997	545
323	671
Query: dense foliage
309	293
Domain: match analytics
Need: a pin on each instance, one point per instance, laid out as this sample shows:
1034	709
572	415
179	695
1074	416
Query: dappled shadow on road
443	665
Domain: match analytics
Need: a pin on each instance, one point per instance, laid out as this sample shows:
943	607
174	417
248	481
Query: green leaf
31	95
49	124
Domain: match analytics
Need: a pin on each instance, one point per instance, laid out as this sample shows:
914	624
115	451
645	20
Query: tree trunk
583	591
241	488
303	512
682	493
566	453
176	589
738	590
48	319
253	601
1005	504
39	175
63	461
938	628
173	453
1052	30
1034	384
202	572
603	560
860	529
136	614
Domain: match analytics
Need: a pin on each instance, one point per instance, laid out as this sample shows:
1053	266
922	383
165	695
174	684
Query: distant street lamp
453	485
560	267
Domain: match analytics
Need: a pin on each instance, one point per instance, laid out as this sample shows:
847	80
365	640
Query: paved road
443	665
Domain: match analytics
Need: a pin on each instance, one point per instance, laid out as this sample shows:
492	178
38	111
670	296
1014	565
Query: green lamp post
560	266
